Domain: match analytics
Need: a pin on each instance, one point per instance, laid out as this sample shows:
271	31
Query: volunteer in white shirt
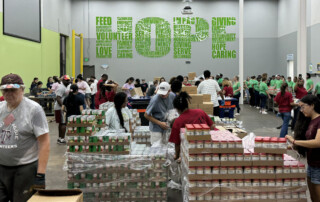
94	90
210	86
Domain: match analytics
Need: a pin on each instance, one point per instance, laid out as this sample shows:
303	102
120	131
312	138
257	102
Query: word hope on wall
182	36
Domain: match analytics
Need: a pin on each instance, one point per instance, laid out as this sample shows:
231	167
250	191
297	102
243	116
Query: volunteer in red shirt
300	90
187	116
285	101
105	94
227	89
307	141
1	98
300	93
103	80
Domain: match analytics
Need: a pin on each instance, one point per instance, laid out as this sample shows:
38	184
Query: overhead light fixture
187	10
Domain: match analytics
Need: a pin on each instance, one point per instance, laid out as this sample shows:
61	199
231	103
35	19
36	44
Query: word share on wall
182	36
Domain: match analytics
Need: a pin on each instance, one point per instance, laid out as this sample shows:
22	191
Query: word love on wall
182	36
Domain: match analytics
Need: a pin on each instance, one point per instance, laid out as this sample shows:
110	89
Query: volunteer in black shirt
73	103
144	87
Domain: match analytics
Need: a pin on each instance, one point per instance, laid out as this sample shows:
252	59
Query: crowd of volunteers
25	146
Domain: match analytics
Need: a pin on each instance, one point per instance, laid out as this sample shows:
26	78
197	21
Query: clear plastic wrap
141	176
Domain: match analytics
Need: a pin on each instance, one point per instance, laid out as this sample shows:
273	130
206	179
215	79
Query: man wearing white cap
157	111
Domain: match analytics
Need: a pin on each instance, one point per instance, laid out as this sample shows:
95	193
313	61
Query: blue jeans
314	174
247	94
286	116
263	102
257	98
237	105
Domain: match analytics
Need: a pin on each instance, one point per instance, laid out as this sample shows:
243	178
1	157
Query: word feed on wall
182	36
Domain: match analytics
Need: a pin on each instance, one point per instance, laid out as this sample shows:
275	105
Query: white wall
288	13
57	16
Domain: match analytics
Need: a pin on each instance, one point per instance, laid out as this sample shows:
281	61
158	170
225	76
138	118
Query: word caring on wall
160	45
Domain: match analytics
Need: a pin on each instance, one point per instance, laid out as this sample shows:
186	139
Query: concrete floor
260	125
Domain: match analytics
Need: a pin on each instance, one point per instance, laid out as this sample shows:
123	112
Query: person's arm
177	148
221	94
311	144
162	125
44	150
81	108
238	90
59	100
295	87
310	89
63	108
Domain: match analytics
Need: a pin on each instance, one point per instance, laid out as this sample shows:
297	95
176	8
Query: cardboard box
204	190
196	99
236	163
190	89
157	79
270	151
192	75
204	163
259	176
291	175
206	98
267	163
75	195
136	91
216	151
193	106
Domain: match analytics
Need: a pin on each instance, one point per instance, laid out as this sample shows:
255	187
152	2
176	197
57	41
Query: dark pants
237	105
263	98
92	106
216	111
257	98
318	95
251	91
296	112
16	182
84	100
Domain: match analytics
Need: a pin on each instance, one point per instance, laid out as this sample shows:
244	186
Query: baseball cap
11	81
66	77
164	88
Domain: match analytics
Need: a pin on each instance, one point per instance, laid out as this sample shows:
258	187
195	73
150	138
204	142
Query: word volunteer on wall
182	36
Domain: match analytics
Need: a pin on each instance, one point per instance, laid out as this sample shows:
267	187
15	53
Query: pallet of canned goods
100	116
140	176
102	142
81	125
141	135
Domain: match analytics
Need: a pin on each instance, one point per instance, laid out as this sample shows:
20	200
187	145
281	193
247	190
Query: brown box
196	99
198	137
75	195
190	89
192	75
204	190
267	163
270	151
291	175
136	91
228	177
157	79
200	177
206	98
216	151
259	176
204	163
236	163
193	106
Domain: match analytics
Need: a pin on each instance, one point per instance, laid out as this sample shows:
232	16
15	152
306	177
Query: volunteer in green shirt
309	84
264	95
317	90
255	85
273	81
237	92
246	88
251	91
278	82
220	80
290	84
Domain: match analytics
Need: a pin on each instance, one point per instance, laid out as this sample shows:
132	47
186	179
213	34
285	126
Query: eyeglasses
302	107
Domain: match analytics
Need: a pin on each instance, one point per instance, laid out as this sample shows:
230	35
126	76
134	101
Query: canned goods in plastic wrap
239	170
231	157
231	170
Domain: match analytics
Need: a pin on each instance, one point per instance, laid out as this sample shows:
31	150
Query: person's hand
39	182
289	138
164	125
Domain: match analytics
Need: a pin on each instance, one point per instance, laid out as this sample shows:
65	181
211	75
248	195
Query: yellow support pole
81	54
73	53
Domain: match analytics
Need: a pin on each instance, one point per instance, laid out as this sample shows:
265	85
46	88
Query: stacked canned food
136	177
103	142
141	135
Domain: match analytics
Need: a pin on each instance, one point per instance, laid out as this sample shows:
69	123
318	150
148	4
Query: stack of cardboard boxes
216	167
199	101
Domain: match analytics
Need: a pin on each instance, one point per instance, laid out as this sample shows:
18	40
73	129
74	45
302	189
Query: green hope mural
182	36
